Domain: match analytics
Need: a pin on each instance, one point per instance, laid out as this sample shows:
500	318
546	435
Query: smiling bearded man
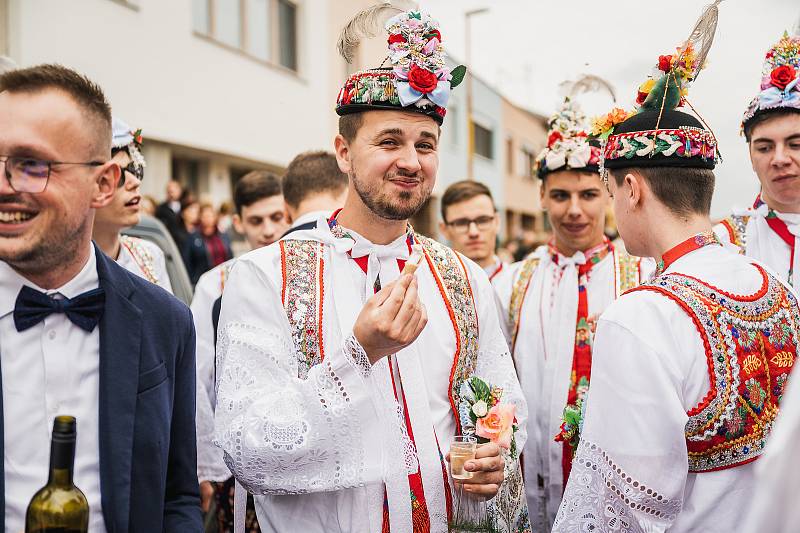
552	298
342	380
768	231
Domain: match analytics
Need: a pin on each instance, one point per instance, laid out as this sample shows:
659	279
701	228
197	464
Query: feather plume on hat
365	25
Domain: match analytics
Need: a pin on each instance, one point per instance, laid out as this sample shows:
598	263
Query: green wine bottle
59	506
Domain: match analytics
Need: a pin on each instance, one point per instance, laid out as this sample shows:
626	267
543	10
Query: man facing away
552	298
140	256
339	379
470	223
688	368
768	231
261	219
79	334
313	186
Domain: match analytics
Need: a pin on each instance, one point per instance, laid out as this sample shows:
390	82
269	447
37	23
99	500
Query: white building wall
182	88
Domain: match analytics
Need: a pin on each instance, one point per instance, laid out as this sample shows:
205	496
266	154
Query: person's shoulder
148	247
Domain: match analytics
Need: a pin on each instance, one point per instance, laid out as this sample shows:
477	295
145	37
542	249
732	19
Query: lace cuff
601	496
356	355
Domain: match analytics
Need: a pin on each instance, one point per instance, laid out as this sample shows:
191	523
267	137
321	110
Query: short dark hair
312	173
349	125
765	116
87	94
461	191
684	190
255	186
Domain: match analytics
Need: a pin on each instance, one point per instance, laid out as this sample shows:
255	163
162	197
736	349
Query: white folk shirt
48	370
319	451
763	244
543	355
210	463
145	259
649	368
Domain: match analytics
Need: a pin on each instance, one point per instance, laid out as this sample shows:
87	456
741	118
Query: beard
402	206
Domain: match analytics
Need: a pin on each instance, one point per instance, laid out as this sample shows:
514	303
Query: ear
542	198
634	189
288	212
237	223
342	149
443	229
105	185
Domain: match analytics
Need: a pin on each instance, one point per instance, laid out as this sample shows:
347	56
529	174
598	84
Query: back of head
84	92
312	174
461	191
255	186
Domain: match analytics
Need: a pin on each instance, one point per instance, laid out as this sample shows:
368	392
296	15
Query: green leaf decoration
667	90
481	390
458	74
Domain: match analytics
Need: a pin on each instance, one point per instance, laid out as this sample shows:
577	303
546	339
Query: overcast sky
526	48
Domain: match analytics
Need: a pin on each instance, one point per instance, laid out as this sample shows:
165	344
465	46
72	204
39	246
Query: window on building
263	29
287	33
509	155
483	141
528	159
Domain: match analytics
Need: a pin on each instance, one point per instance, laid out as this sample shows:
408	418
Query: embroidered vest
303	295
751	343
144	259
736	226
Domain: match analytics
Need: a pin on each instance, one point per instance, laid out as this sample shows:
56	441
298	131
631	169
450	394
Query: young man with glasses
470	223
140	256
79	334
551	300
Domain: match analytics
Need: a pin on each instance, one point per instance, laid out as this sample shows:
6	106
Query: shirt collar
11	282
311	216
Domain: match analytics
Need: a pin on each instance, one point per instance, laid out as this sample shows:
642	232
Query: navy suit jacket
148	455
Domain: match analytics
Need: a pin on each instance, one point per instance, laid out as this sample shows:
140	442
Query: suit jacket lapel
120	340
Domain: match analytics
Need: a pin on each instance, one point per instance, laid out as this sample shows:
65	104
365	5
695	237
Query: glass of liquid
462	449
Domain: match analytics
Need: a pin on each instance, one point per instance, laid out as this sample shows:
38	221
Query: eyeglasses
134	169
26	174
462	225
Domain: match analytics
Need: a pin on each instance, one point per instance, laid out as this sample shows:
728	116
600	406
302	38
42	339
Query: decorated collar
691	244
592	256
338	231
780	80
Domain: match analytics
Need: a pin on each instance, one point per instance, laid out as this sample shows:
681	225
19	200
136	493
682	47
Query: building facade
222	87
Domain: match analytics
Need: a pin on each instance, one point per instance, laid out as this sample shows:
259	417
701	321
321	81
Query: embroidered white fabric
355	352
628	506
281	434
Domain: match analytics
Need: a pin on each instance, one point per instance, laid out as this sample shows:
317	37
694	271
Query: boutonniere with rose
483	414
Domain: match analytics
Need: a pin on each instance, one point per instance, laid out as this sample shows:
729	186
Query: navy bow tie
33	306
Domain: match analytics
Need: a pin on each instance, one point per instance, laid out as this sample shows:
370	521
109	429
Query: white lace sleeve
210	463
282	434
630	468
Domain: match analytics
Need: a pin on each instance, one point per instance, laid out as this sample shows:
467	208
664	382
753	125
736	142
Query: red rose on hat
553	138
422	80
664	63
396	38
783	76
437	34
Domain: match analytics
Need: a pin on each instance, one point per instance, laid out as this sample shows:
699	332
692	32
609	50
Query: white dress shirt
48	370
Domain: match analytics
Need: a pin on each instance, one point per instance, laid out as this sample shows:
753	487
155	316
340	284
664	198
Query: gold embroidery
783	359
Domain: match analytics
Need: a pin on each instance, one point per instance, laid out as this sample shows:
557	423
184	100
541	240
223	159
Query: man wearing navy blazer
80	335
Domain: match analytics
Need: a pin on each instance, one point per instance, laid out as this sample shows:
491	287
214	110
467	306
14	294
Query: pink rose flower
498	424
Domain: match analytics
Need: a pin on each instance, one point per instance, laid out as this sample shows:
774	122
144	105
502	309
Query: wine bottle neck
62	460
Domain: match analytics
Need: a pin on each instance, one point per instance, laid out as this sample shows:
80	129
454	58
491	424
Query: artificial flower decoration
604	125
483	413
568	144
780	80
417	79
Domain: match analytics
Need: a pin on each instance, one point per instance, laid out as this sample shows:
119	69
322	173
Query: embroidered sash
144	259
736	226
518	292
751	344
